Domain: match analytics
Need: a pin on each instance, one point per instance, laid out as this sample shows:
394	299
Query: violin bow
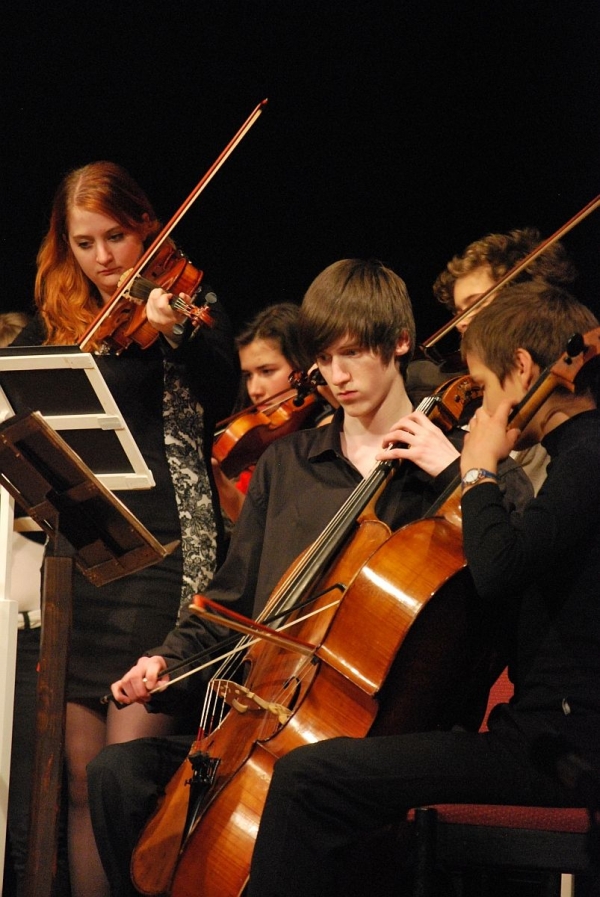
510	275
87	338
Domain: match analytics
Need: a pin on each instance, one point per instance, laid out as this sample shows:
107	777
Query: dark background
400	130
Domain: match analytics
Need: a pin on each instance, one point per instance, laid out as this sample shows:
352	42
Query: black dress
170	400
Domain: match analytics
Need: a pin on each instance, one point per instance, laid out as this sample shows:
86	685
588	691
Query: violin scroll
197	314
306	383
451	401
580	351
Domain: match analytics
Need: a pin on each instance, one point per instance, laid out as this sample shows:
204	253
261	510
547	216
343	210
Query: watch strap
482	474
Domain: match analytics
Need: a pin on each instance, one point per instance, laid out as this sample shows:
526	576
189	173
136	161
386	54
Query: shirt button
566	709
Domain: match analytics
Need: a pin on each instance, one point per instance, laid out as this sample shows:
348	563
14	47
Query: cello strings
317	557
230	663
231	666
302	577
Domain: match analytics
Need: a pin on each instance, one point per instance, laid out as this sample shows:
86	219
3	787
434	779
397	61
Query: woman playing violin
269	351
170	395
327	798
356	321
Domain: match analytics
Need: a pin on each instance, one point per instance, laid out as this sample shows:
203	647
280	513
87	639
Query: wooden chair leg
425	852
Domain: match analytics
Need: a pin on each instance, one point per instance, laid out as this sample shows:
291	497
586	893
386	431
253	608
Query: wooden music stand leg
57	586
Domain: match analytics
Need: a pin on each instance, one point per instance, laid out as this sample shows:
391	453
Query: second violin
241	443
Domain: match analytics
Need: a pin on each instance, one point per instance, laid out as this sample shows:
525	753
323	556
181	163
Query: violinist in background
468	276
477	269
326	799
269	351
356	321
170	394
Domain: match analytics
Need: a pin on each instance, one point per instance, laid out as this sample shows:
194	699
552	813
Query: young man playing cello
357	322
326	799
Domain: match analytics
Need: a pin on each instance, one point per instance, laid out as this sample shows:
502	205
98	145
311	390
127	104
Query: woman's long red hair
67	300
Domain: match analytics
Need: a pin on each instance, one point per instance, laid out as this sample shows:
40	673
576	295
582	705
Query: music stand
90	528
67	385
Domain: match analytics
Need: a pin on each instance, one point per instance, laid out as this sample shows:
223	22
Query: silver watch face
471	476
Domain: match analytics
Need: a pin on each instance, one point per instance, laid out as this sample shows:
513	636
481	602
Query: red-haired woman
170	395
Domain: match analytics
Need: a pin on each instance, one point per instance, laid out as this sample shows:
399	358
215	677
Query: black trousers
124	784
327	799
325	802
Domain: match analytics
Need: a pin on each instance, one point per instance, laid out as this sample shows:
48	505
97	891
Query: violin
246	435
127	322
123	319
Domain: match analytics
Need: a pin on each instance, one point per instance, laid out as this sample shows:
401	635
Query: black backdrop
401	130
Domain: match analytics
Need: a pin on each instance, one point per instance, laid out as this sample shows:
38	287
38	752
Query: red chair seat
557	819
467	836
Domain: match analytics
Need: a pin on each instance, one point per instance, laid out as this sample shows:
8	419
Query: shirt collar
328	438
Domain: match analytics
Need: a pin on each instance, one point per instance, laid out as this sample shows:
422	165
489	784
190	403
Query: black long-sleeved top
545	575
170	399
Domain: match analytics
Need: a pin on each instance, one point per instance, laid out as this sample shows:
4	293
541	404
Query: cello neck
444	408
329	543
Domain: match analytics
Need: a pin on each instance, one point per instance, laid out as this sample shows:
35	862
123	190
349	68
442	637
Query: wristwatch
475	475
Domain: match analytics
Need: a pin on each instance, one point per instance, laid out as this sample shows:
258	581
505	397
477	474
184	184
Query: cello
393	597
155	869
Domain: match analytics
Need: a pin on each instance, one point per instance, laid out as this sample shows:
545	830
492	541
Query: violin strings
222	424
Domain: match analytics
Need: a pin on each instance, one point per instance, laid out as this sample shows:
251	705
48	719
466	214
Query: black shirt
544	573
299	483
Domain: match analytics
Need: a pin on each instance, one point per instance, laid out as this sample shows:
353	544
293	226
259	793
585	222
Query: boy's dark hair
533	316
362	299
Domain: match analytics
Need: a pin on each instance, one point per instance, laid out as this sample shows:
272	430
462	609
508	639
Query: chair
489	838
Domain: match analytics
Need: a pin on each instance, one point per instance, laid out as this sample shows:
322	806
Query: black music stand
90	528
